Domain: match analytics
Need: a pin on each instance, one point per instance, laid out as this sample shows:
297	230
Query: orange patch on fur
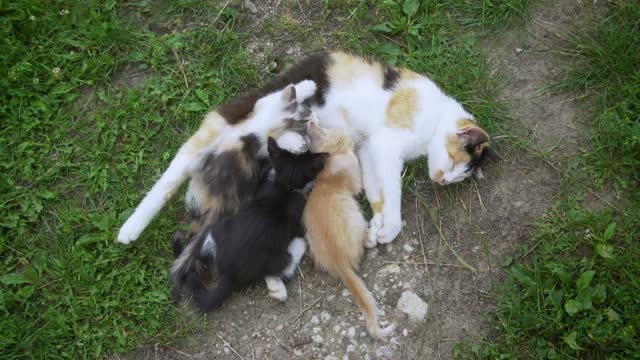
465	122
456	151
440	176
406	74
376	206
345	67
402	108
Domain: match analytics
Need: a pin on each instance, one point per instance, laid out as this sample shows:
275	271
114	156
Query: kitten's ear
319	161
289	98
314	131
272	147
472	135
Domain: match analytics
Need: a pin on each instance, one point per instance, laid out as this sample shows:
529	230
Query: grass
98	97
575	295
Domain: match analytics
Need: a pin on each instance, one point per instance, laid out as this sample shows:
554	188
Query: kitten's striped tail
365	301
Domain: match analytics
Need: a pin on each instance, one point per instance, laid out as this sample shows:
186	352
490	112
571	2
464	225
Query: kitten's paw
277	289
130	231
389	232
305	89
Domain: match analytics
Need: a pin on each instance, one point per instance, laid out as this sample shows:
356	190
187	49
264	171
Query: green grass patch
574	295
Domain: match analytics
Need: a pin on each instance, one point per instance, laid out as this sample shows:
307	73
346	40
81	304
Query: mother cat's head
466	150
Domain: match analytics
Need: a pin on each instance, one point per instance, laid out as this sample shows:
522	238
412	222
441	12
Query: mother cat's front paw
389	231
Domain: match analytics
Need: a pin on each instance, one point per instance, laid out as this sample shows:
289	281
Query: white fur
293	142
276	287
268	112
296	249
383	150
208	247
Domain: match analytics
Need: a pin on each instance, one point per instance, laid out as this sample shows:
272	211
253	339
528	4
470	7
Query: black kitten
264	240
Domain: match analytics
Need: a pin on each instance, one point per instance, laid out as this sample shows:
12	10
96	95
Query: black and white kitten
263	240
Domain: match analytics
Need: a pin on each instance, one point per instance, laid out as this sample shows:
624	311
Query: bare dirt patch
482	221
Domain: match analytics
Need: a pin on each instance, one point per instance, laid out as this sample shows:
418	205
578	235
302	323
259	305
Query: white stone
405	332
315	320
316	330
412	305
345	292
408	248
325	316
389	269
384	352
317	338
352	331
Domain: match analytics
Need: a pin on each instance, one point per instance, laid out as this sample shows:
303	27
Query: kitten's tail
365	301
195	259
205	299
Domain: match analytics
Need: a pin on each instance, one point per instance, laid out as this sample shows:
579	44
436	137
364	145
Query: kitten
336	228
220	158
263	240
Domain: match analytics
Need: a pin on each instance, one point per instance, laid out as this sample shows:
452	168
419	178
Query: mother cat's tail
364	299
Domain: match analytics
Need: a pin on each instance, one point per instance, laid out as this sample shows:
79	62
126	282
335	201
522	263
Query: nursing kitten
263	240
336	228
220	158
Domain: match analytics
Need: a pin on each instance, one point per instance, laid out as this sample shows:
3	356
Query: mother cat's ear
472	135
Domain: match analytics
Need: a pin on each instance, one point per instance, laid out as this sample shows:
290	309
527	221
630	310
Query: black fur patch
313	67
391	77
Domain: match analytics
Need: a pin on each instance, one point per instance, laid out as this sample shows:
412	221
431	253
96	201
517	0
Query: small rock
317	338
351	348
412	305
336	328
408	248
250	6
519	50
345	292
227	350
395	341
259	352
389	269
352	331
325	316
316	330
367	357
331	357
279	327
384	352
315	320
518	203
331	297
405	332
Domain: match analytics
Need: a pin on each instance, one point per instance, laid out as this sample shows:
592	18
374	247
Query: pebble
279	327
405	332
325	316
317	338
331	297
315	320
352	331
316	330
412	305
408	248
519	50
389	269
351	348
250	6
384	352
345	292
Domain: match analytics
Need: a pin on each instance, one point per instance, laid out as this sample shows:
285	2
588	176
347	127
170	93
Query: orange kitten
336	229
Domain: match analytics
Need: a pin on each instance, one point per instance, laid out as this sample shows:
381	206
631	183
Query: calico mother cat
392	115
263	240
